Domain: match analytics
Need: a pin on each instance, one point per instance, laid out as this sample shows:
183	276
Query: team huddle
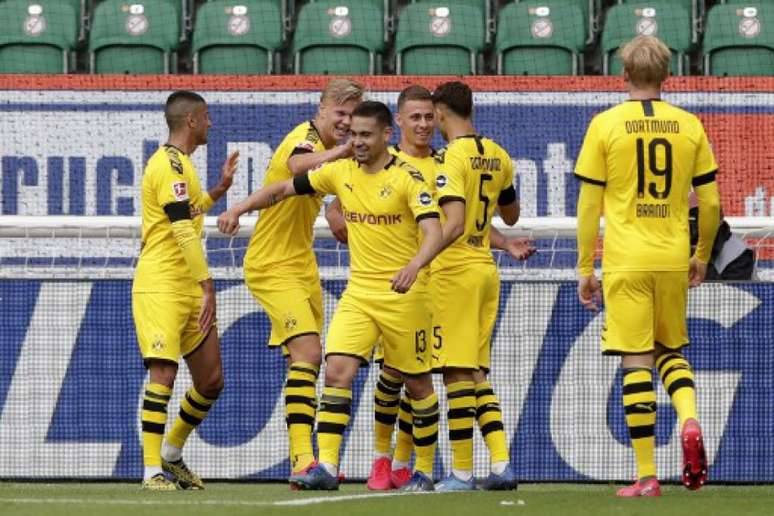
423	291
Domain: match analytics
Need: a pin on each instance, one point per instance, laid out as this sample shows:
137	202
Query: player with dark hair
474	177
386	204
173	297
416	120
640	159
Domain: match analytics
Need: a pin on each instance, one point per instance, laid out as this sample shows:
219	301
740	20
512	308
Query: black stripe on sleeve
299	150
428	215
589	180
507	196
302	185
180	210
449	198
704	178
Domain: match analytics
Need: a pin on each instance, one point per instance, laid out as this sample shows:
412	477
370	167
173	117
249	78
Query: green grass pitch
28	499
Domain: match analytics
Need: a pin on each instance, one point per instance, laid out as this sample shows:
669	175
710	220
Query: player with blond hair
640	160
280	265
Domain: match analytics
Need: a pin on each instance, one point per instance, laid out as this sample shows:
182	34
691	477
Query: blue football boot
419	483
503	482
453	483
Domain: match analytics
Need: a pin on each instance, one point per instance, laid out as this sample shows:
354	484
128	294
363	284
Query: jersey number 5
665	172
481	224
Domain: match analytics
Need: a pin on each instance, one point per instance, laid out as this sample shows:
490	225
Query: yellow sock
154	418
404	443
639	400
386	398
300	407
490	422
677	377
333	418
462	417
193	409
425	429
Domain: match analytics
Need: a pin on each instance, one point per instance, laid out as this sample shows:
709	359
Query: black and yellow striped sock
386	399
677	378
332	420
193	409
639	400
404	443
462	417
300	407
425	430
490	422
154	418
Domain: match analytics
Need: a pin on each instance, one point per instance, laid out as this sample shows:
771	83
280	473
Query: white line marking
226	503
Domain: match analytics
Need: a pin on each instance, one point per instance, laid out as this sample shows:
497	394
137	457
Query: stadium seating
668	21
341	36
237	36
488	10
439	38
694	7
589	8
738	40
133	38
534	38
36	37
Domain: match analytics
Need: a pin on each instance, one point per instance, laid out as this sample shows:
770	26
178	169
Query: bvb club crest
385	192
290	322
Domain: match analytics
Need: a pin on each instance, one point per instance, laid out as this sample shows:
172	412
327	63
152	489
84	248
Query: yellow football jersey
381	211
425	165
169	177
646	154
479	172
285	231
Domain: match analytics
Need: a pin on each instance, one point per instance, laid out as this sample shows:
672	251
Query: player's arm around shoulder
303	158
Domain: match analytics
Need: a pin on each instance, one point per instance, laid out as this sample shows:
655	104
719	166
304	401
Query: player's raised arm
226	180
298	163
228	221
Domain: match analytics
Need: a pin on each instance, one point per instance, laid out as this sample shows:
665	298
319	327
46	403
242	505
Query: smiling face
369	139
335	119
416	120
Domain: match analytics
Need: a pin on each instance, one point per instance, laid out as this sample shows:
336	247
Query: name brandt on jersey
653	126
369	218
479	163
653	211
